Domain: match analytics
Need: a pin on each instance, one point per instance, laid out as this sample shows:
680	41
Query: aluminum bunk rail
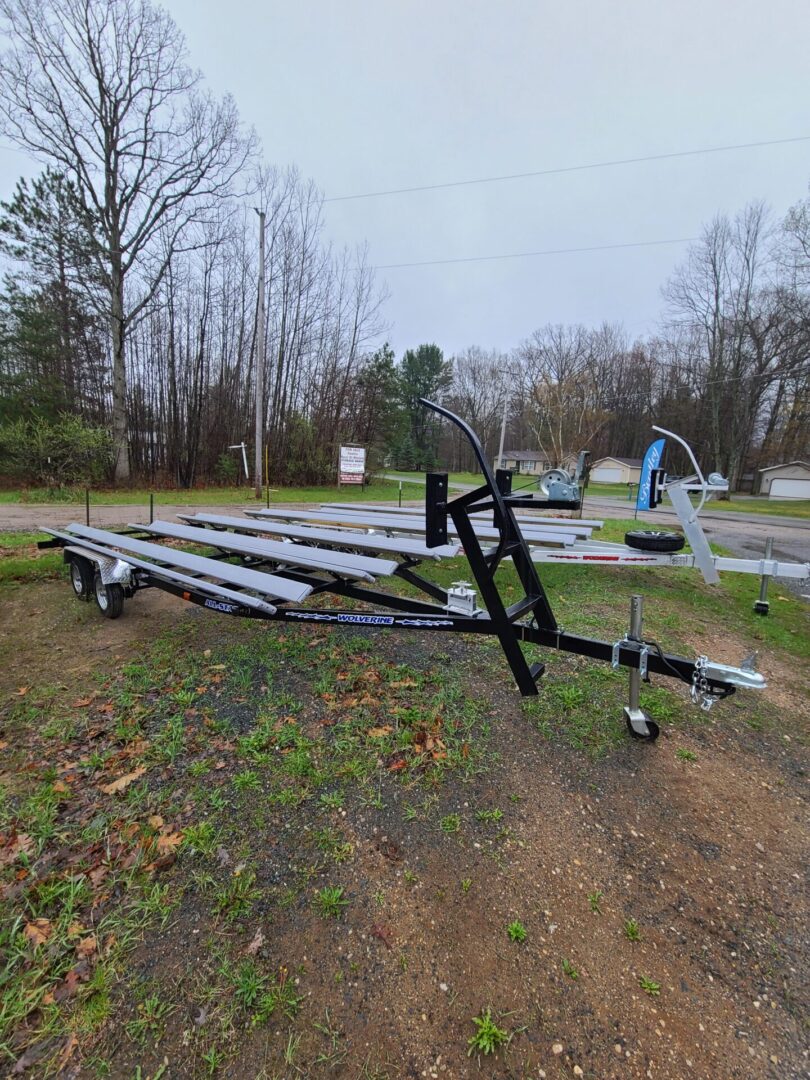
270	585
163	573
582	527
334	537
361	567
402	523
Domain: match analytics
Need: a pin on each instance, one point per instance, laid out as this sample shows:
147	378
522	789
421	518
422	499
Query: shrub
55	453
226	470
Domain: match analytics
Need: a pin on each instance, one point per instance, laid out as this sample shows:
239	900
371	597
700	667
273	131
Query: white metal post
260	363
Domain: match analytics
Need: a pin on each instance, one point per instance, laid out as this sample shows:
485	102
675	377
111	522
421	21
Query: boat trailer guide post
342	554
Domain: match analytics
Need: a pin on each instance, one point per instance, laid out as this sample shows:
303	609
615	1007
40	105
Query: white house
531	462
616	470
788	481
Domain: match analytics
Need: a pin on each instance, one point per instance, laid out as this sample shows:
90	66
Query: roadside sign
352	468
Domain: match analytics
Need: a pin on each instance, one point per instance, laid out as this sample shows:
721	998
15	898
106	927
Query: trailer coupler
709	674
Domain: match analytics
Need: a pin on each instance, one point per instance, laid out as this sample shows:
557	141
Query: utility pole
260	362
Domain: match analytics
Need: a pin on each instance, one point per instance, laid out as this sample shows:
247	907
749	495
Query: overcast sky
366	96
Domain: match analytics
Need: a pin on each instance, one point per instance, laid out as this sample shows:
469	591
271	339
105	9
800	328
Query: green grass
758	504
516	931
798	508
488	1037
21	561
376	491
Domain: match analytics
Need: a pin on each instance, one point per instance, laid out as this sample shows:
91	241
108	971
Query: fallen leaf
32	1056
87	946
22	844
71	1042
156	821
123	781
98	874
78	974
395	766
22	691
379	732
256	943
60	787
82	703
107	707
168	841
163	863
38	931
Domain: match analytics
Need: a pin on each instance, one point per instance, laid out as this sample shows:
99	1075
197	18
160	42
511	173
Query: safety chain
700	685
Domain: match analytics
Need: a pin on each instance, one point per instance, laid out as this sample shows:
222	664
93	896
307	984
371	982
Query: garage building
616	470
788	481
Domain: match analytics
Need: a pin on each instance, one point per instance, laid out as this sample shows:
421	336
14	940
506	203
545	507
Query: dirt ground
698	841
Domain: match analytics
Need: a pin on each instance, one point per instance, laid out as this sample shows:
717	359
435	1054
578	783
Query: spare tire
643	540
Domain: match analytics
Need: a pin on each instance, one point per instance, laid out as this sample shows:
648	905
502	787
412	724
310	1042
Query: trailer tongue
345	554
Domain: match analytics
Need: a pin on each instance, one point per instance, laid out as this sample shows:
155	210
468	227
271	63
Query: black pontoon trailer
255	577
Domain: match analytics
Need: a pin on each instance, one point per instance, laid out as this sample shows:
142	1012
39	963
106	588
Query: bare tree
102	89
560	366
480	384
723	291
795	255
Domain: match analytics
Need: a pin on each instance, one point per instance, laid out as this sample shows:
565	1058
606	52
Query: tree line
129	305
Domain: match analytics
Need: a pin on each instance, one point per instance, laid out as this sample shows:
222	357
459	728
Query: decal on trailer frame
220	605
367	620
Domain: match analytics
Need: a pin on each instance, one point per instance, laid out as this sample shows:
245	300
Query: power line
534	254
569	169
17	150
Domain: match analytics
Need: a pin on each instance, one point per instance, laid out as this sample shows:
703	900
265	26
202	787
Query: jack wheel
81	578
110	598
653	731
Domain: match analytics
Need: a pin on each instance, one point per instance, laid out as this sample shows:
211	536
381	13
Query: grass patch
22	561
377	490
798	508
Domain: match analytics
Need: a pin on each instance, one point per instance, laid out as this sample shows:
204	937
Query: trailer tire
109	598
643	540
81	577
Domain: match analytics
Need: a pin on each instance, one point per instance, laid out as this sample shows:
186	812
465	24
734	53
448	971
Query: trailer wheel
110	598
643	540
653	731
81	577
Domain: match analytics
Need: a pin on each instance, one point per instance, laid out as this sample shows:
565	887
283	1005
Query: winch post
762	605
